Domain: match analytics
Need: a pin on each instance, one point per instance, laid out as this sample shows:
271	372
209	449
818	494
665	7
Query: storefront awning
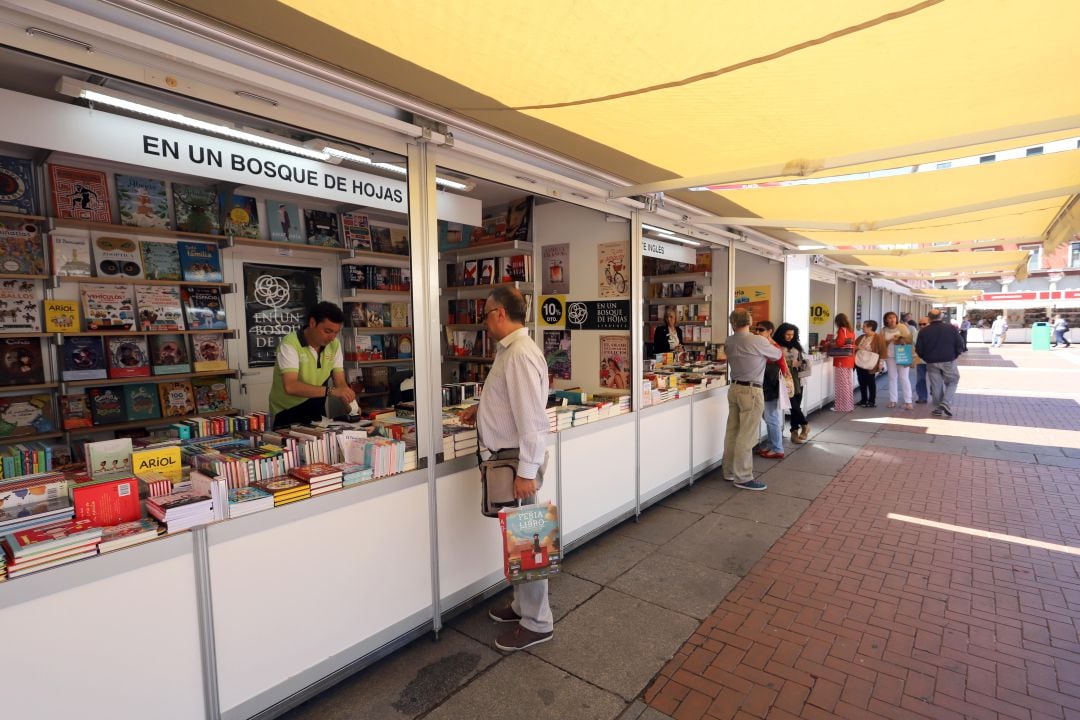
1004	261
948	296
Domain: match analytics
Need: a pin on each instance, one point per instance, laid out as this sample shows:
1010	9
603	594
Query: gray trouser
531	600
943	378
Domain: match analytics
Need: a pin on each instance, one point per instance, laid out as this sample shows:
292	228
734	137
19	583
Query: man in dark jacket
939	344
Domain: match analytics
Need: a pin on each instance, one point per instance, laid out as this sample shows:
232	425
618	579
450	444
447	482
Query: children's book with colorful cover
127	534
117	257
321	228
203	308
47	538
71	255
200	262
196	209
108	307
128	357
357	230
284	221
169	355
208	352
143	202
76	411
159	308
531	549
22	249
141	401
107	404
166	460
80	194
239	216
83	358
26	415
108	456
18	191
211	395
19	310
20	361
177	398
161	260
61	316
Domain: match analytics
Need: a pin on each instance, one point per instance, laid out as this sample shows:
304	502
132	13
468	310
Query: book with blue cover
203	308
200	262
141	401
83	358
143	202
18	191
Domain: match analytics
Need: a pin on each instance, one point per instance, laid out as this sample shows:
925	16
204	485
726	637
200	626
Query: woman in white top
895	333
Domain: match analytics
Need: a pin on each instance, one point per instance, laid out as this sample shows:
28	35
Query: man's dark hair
872	324
326	311
512	301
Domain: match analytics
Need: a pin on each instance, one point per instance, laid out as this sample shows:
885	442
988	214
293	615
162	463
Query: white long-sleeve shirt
511	413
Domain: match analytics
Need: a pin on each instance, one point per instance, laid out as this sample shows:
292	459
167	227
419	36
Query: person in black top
939	345
667	337
787	337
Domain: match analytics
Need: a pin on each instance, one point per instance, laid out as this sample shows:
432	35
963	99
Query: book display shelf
685	289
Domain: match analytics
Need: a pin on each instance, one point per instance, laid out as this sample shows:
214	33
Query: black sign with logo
598	315
276	302
551	311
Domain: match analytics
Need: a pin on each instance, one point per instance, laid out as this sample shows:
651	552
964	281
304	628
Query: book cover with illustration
20	361
239	216
357	230
614	274
196	209
19	311
22	249
18	191
203	308
108	456
141	401
177	398
211	395
519	220
80	194
108	307
557	353
615	361
284	221
487	272
556	269
321	228
161	260
453	236
159	308
117	257
389	239
61	316
71	255
169	354
469	273
531	548
376	315
399	314
209	353
127	357
22	415
83	358
200	262
404	346
142	202
76	411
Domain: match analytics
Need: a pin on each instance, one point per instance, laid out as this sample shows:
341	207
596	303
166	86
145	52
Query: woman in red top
844	395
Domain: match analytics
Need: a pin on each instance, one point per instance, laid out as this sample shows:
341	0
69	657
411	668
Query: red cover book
314	472
50	538
107	503
80	194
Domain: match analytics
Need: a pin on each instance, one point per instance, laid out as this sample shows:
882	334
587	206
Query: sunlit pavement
935	577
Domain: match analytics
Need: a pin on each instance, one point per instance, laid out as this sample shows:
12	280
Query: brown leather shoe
797	438
519	638
504	614
805	432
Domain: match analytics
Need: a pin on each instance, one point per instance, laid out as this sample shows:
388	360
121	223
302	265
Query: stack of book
33	514
47	546
458	441
181	510
285	489
128	534
564	417
384	456
320	477
216	487
354	473
248	500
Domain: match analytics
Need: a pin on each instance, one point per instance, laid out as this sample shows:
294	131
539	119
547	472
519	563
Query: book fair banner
598	315
276	302
754	298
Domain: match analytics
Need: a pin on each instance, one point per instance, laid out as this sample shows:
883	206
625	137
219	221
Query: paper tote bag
903	355
531	549
867	359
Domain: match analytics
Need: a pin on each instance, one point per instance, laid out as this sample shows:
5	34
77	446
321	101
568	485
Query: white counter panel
597	472
710	422
84	652
664	455
290	596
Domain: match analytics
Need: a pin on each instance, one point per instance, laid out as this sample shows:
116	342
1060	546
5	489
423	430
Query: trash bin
1040	336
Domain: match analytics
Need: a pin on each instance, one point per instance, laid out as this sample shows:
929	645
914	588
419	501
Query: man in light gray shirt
747	355
511	414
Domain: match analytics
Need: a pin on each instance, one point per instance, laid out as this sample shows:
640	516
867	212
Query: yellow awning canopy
651	92
1005	261
948	296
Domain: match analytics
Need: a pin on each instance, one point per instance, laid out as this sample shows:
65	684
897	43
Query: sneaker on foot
920	402
504	614
945	409
937	412
750	485
519	638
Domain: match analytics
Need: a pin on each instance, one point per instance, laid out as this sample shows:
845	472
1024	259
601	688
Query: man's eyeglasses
923	324
488	312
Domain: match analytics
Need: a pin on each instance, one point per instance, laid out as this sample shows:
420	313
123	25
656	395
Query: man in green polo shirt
306	360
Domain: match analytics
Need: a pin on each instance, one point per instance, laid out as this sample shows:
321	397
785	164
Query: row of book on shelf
470	311
376	277
83	194
490	271
362	346
684	312
124	492
689	288
110	404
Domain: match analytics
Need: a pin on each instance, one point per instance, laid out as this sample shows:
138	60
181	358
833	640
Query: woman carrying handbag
843	355
897	360
869	350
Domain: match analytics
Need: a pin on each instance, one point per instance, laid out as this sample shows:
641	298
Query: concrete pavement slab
765	507
724	543
606	558
795	483
1068	462
702	497
610	626
677	584
844	437
657	525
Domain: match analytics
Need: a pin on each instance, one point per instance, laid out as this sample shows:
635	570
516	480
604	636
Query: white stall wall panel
664	454
751	269
598	474
710	422
289	597
93	645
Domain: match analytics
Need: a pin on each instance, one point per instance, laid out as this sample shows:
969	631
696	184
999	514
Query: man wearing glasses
511	415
